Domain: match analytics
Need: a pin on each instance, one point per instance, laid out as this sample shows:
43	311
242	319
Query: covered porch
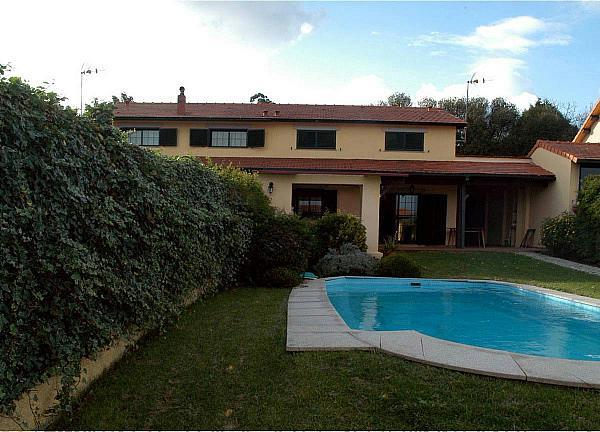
456	211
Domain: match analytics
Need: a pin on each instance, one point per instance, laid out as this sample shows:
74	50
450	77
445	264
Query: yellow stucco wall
354	141
560	195
594	135
359	195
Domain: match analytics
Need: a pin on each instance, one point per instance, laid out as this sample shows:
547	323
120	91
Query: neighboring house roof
285	112
588	123
523	169
570	150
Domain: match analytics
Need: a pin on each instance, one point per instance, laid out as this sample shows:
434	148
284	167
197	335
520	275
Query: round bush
558	235
398	266
336	229
281	277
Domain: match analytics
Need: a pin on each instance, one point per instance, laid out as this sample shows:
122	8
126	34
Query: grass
224	366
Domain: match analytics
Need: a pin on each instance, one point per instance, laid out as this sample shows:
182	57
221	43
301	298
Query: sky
311	52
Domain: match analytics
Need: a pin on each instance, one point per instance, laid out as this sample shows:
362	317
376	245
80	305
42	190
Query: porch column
369	212
461	198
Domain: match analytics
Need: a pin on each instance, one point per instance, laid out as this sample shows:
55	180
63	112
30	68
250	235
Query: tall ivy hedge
98	236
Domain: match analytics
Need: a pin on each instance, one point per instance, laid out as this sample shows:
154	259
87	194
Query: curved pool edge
314	324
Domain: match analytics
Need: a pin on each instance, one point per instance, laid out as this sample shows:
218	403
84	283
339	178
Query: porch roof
523	168
570	150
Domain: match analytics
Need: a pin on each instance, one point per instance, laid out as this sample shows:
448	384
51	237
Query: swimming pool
485	314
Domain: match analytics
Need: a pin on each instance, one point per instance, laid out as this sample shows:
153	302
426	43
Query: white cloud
306	28
500	47
514	35
268	22
437	53
503	78
219	52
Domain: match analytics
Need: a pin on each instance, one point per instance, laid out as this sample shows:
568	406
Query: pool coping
315	325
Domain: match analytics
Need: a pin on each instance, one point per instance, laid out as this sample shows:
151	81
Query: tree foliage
124	98
577	236
260	98
497	127
397	99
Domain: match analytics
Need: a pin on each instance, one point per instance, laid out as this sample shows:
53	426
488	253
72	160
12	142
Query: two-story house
395	168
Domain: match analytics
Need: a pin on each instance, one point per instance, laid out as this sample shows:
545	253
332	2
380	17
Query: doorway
413	218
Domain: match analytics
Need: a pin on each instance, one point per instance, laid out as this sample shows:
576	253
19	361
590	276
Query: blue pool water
485	314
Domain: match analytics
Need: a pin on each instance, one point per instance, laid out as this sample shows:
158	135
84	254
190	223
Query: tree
260	98
397	99
427	102
502	118
124	98
540	121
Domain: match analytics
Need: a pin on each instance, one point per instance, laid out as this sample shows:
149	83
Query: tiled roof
592	118
286	112
570	150
523	169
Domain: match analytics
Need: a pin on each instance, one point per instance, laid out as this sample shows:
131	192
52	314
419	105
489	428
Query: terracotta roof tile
570	150
286	112
522	169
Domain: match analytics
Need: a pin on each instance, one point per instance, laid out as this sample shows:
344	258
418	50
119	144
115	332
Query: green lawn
224	366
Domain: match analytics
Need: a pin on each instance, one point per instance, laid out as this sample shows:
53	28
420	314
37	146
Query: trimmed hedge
97	235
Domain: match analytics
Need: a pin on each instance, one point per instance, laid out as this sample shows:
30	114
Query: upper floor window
229	138
147	137
152	137
404	141
315	139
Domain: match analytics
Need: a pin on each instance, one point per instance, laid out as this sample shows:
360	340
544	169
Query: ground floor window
310	202
406	218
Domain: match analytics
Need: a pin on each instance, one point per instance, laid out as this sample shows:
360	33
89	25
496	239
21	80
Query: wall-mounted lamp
412	189
270	187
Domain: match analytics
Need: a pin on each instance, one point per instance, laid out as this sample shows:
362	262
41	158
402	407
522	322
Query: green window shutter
256	138
326	139
167	137
199	138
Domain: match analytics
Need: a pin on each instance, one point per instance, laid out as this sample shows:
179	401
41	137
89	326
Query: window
314	202
315	139
586	171
147	137
229	138
404	141
309	204
152	137
406	218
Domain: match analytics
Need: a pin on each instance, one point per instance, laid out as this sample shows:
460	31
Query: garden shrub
349	260
558	235
281	277
577	236
280	240
398	266
336	229
97	235
587	221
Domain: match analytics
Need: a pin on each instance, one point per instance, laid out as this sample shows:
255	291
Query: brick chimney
181	101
